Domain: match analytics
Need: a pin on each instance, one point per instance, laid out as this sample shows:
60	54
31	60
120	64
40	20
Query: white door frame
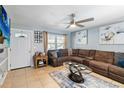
19	30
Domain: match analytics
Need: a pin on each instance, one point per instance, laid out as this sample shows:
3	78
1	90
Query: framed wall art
112	34
38	37
81	37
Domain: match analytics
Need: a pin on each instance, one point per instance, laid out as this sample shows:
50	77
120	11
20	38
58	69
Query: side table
40	58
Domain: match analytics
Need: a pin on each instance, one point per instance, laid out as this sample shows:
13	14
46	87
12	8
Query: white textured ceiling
52	17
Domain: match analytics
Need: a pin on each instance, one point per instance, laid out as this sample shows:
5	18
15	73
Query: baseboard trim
3	79
20	68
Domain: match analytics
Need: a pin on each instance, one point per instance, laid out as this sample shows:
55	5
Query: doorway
20	49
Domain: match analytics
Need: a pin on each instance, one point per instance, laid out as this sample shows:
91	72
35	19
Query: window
51	41
60	41
56	41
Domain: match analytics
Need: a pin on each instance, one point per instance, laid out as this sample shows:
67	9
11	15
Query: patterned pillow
54	54
59	54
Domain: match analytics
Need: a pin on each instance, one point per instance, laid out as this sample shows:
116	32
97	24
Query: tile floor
37	78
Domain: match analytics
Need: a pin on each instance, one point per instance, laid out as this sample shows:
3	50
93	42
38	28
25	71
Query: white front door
20	49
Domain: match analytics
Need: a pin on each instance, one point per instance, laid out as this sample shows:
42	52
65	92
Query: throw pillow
70	52
59	54
117	57
54	54
121	63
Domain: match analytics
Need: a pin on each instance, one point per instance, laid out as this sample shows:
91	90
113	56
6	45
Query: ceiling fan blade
79	25
65	23
68	26
85	20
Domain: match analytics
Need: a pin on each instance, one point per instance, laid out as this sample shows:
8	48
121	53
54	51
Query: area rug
61	77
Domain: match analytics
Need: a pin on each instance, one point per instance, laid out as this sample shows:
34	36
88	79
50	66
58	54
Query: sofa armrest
53	61
52	57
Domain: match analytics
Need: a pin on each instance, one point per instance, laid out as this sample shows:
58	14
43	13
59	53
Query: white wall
3	63
93	42
68	40
39	47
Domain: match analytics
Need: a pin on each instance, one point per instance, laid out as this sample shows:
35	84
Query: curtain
45	35
65	43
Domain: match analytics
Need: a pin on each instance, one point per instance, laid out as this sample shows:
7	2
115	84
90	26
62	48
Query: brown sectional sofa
82	56
101	62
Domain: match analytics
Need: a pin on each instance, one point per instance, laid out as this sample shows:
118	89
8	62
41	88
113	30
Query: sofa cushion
92	54
116	77
99	65
74	52
116	70
64	59
64	52
54	54
104	56
59	54
83	53
99	71
76	59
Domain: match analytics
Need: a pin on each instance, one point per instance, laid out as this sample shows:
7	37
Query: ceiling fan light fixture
73	25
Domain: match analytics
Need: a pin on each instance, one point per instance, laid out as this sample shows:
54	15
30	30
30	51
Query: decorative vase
43	53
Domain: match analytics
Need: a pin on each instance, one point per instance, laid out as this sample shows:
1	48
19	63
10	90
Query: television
4	27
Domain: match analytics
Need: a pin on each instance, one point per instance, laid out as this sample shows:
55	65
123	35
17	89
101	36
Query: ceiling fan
74	23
